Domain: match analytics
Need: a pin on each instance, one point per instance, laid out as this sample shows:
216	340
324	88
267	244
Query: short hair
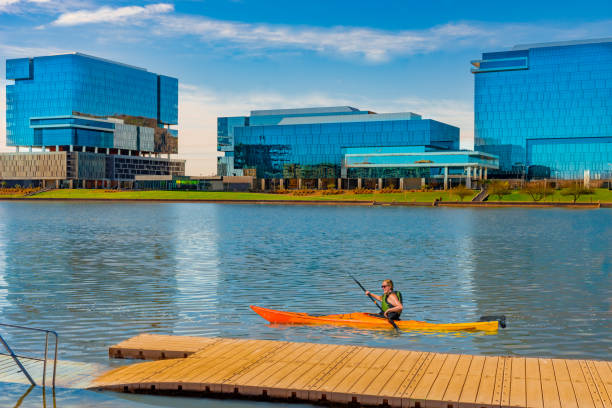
389	282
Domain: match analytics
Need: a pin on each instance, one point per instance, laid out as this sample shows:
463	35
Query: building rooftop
302	111
302	120
88	56
560	44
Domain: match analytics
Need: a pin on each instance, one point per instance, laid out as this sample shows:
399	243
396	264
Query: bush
575	190
281	191
303	192
363	191
390	190
462	191
332	191
538	190
499	188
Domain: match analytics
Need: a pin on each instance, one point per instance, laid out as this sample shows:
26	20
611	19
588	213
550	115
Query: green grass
601	194
427	197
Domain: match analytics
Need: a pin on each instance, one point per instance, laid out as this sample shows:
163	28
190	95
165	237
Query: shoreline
483	204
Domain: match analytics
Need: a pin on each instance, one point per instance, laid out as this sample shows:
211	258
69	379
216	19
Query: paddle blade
500	318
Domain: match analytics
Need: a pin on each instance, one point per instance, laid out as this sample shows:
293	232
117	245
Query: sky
234	56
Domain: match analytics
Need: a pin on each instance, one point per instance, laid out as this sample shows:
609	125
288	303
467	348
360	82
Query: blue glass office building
308	143
546	108
88	119
57	101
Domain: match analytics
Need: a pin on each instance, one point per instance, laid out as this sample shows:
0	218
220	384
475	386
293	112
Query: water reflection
91	271
197	272
3	239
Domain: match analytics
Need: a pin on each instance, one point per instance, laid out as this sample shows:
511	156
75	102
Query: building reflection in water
549	272
197	270
95	273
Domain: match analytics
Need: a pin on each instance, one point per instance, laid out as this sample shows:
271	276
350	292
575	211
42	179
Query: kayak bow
368	321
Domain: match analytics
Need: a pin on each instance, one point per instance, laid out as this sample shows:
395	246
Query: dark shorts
391	315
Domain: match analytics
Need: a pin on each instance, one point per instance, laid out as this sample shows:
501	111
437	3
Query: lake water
99	273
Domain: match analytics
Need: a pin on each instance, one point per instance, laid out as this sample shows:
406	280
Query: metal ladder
15	357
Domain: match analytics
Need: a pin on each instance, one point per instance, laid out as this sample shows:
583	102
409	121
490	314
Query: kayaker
391	301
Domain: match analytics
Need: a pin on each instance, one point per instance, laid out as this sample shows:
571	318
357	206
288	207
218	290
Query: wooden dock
355	375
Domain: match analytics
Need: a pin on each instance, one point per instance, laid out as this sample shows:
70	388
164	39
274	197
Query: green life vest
386	305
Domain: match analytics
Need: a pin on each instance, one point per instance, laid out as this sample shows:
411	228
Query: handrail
15	357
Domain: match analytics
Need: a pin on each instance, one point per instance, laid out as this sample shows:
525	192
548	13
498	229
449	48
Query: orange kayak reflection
368	321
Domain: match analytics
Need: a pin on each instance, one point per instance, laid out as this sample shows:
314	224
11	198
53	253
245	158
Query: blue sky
232	56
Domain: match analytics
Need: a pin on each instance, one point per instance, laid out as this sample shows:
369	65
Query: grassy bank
426	197
601	195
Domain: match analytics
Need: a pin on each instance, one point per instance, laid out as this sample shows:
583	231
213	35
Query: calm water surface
98	273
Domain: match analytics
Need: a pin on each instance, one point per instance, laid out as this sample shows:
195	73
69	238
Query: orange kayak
368	321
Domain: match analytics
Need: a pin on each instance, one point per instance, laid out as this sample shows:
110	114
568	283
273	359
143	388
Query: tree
538	190
3	184
462	191
499	188
575	190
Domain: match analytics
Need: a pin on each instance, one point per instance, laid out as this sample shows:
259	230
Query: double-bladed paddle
374	300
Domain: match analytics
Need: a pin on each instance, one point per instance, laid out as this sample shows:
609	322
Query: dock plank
516	394
550	391
604	393
486	388
472	382
435	396
368	376
564	384
419	393
375	393
394	389
533	384
457	381
584	397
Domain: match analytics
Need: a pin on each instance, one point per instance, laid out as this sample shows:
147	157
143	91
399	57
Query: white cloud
200	107
19	6
17	51
106	14
372	44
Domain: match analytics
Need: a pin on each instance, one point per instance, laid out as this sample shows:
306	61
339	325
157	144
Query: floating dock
354	375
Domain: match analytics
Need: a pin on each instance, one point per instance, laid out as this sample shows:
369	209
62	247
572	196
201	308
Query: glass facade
546	106
308	144
411	161
48	87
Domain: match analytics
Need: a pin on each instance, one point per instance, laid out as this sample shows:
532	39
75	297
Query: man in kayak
391	301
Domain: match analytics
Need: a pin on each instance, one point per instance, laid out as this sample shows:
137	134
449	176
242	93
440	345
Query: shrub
363	191
281	191
499	188
462	191
390	190
575	190
332	191
538	190
303	192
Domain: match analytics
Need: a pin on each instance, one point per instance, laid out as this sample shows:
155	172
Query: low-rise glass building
546	109
308	143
